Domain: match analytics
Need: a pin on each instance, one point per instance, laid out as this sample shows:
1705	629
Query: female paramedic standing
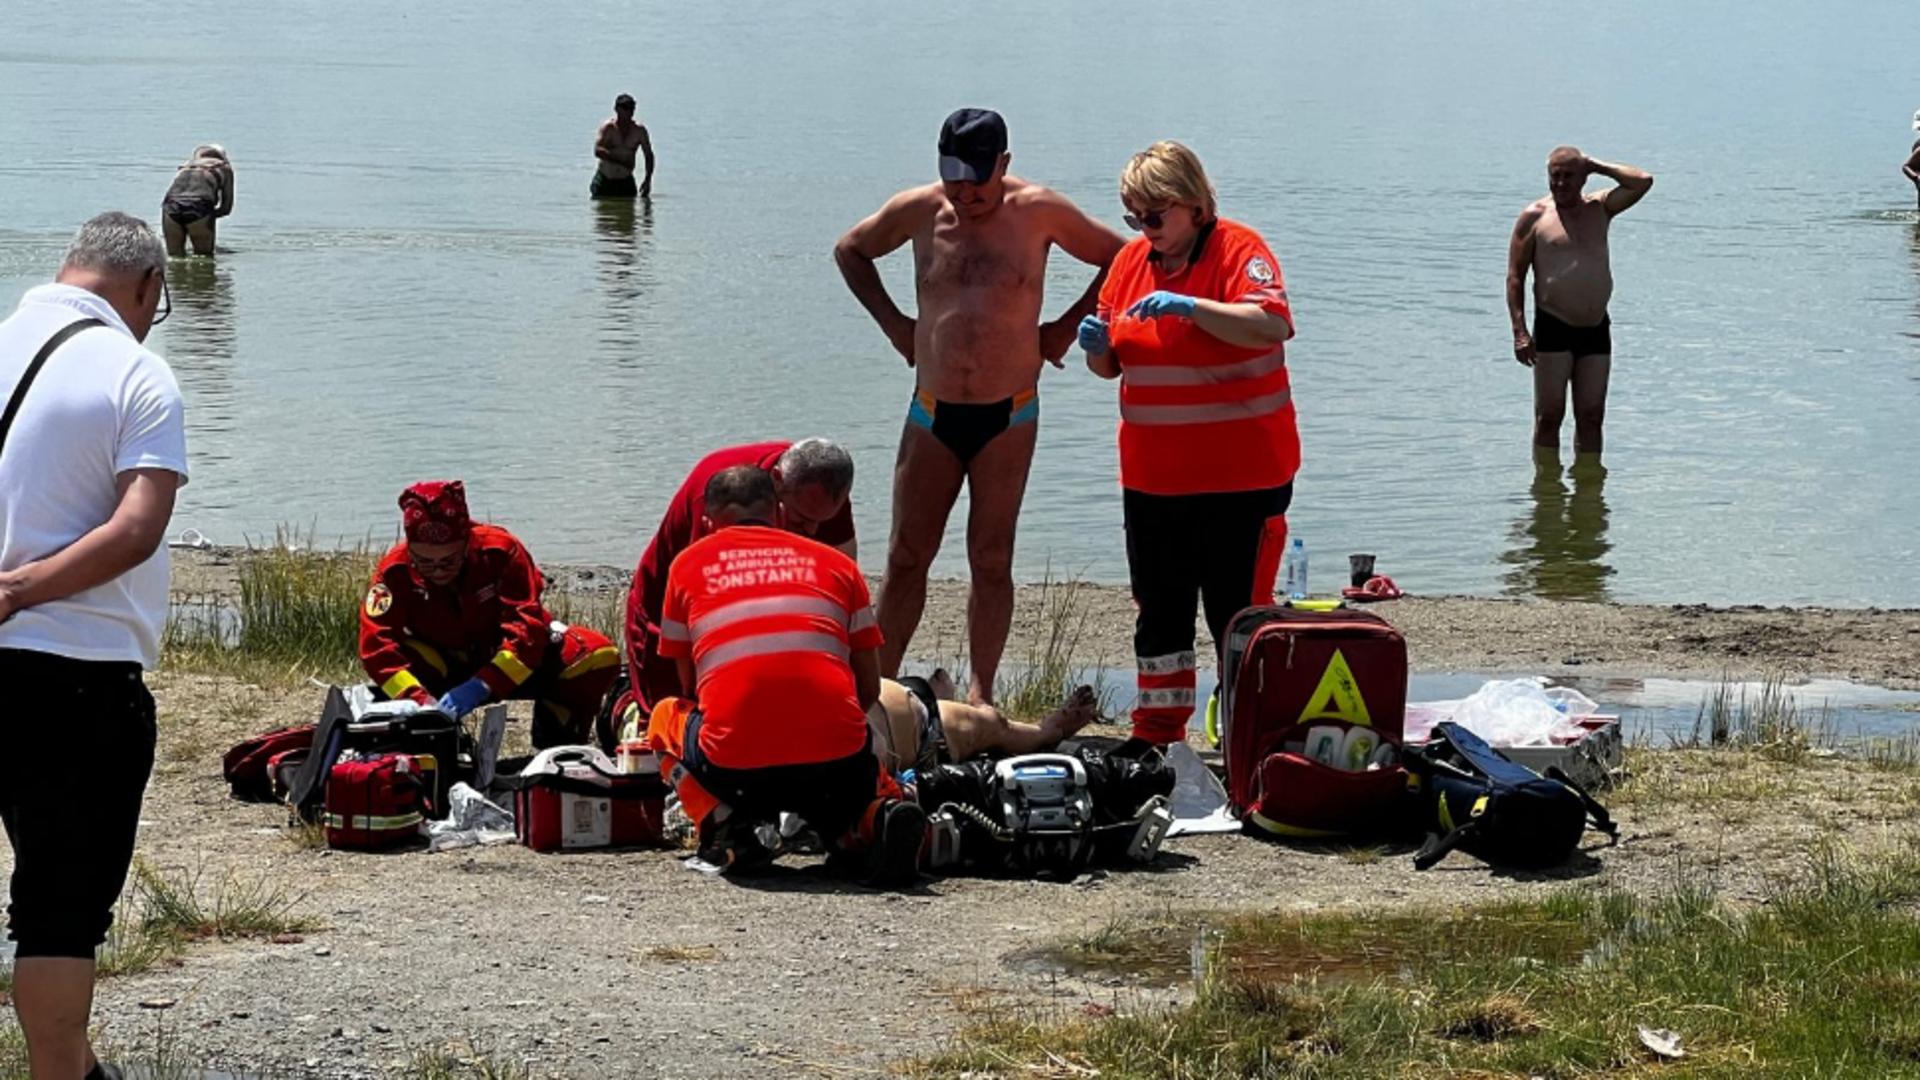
1192	321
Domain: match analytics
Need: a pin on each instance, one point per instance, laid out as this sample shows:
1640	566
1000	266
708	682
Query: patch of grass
604	610
1823	980
681	954
297	615
174	905
1055	661
462	1061
1770	722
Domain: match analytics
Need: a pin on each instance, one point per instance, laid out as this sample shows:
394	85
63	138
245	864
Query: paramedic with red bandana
1192	320
454	619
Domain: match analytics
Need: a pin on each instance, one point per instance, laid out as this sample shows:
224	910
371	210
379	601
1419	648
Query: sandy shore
1449	633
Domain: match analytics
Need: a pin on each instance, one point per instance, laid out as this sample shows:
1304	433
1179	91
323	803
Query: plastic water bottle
1294	570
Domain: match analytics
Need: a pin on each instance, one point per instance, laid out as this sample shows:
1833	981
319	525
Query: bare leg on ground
996	484
926	481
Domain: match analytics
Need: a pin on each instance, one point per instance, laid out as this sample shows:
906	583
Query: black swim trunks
1551	335
933	737
606	187
184	210
966	429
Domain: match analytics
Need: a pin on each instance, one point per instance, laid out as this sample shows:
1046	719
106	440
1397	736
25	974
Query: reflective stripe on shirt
767	644
764	606
1205	413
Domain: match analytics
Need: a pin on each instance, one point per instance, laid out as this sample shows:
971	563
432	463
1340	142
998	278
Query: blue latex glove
1093	335
465	698
1161	302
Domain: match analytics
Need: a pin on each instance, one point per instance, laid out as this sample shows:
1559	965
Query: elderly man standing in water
1562	239
200	195
980	243
618	145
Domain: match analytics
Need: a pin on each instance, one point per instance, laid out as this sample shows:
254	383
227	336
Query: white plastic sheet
1508	712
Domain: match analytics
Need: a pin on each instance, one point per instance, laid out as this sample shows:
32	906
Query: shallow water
416	284
1654	710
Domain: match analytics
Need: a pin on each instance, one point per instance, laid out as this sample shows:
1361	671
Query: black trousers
1184	551
830	796
76	751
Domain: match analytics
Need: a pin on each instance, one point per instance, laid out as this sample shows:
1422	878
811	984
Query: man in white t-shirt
89	466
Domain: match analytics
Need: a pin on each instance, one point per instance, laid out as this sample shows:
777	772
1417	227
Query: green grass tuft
297	615
173	905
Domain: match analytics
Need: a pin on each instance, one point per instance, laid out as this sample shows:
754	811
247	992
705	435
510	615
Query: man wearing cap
453	619
617	144
980	244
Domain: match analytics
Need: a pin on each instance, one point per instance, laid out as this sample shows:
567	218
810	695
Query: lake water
418	286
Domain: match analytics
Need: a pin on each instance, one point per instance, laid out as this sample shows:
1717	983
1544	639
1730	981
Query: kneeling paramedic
777	636
453	620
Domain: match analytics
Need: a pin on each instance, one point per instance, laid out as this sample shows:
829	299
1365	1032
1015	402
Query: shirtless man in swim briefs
1562	239
980	243
617	145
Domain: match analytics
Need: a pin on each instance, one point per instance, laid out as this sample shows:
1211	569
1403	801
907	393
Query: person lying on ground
919	725
201	194
813	482
454	620
980	240
776	636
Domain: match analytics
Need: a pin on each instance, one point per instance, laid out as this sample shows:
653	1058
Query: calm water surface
418	286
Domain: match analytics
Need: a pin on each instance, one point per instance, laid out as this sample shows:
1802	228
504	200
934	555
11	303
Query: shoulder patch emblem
1259	272
379	601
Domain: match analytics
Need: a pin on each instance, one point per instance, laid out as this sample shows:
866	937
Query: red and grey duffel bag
573	797
248	766
1291	675
377	802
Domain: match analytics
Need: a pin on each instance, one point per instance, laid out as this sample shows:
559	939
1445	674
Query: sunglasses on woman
1148	219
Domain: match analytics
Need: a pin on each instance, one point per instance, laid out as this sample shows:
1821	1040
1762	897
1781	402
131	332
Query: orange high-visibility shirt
1198	414
770	620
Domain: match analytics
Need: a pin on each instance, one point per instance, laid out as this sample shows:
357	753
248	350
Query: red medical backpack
376	802
1287	671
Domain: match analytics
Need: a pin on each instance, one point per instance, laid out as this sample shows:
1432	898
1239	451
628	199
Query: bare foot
1080	710
942	683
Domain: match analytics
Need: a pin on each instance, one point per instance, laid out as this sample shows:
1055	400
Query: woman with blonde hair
1192	321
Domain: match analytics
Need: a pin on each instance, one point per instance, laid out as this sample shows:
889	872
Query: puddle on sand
1268	948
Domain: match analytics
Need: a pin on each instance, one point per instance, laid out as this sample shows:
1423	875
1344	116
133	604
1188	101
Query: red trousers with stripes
1220	548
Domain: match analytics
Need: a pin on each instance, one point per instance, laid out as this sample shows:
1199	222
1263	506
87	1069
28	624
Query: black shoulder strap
33	369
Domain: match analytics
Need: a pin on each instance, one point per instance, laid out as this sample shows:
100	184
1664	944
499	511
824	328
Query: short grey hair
818	461
116	243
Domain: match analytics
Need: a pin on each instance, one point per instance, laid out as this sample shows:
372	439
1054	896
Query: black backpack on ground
428	732
1475	798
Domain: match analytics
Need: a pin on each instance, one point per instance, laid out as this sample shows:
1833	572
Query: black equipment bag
1493	808
427	733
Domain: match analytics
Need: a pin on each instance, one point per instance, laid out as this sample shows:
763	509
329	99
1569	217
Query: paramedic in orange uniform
1192	321
453	618
813	479
777	636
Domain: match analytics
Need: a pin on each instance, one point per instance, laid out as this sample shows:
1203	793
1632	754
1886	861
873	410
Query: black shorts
76	750
1552	335
606	187
185	211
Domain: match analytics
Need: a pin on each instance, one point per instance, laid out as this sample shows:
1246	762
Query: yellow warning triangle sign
1338	696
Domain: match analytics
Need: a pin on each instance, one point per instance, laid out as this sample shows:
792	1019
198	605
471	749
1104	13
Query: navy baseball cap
971	142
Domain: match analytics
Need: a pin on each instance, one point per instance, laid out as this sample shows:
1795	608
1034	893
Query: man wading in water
980	242
619	142
1912	168
1562	239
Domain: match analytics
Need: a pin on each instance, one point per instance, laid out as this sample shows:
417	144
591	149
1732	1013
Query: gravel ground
629	964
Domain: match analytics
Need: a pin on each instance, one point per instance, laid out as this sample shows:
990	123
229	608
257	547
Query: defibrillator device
1046	815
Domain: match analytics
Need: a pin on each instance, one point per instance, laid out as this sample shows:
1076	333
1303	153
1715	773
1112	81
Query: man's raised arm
873	238
1633	184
